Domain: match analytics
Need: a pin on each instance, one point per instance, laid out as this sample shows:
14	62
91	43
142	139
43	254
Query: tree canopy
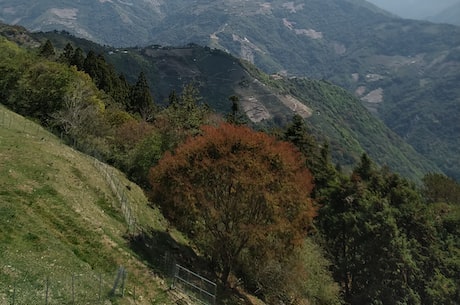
236	190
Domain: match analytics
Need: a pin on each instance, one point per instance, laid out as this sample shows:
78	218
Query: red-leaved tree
232	190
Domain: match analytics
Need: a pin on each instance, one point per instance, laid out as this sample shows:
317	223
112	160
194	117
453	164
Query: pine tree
66	56
236	116
47	50
141	100
78	59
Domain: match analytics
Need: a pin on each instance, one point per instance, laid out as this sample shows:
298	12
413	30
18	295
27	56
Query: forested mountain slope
333	114
405	71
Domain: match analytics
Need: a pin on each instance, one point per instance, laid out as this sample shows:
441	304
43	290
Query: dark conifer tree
67	55
78	59
236	116
297	133
90	66
47	50
141	100
121	91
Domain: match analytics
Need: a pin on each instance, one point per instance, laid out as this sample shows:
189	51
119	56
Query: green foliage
423	109
386	244
183	117
144	156
440	188
41	89
13	62
47	50
386	248
81	113
78	59
304	275
60	219
103	74
141	100
337	116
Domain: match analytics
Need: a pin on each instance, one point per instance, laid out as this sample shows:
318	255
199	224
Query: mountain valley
404	71
222	157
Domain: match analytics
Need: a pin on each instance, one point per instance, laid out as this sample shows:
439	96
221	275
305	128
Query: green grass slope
61	219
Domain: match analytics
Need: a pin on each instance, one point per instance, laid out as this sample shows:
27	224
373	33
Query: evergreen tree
383	240
297	133
90	66
78	59
364	169
318	159
141	100
47	50
121	91
67	54
236	116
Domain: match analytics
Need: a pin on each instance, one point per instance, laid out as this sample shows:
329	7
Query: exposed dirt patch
374	97
65	13
339	48
254	109
355	77
372	77
265	9
247	48
307	32
296	106
292	8
360	91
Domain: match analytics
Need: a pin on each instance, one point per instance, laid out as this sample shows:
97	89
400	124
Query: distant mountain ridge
406	72
449	15
422	9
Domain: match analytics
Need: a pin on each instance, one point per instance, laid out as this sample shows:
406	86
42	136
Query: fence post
73	288
14	293
47	289
117	279
123	280
100	287
134	294
215	295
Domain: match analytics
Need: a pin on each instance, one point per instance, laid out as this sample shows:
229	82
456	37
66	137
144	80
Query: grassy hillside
60	219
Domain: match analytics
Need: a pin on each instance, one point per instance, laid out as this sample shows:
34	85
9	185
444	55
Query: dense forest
267	209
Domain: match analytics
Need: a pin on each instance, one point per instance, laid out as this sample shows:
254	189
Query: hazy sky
416	9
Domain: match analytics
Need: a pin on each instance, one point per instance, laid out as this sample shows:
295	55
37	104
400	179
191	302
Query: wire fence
194	285
118	190
82	288
58	289
13	121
